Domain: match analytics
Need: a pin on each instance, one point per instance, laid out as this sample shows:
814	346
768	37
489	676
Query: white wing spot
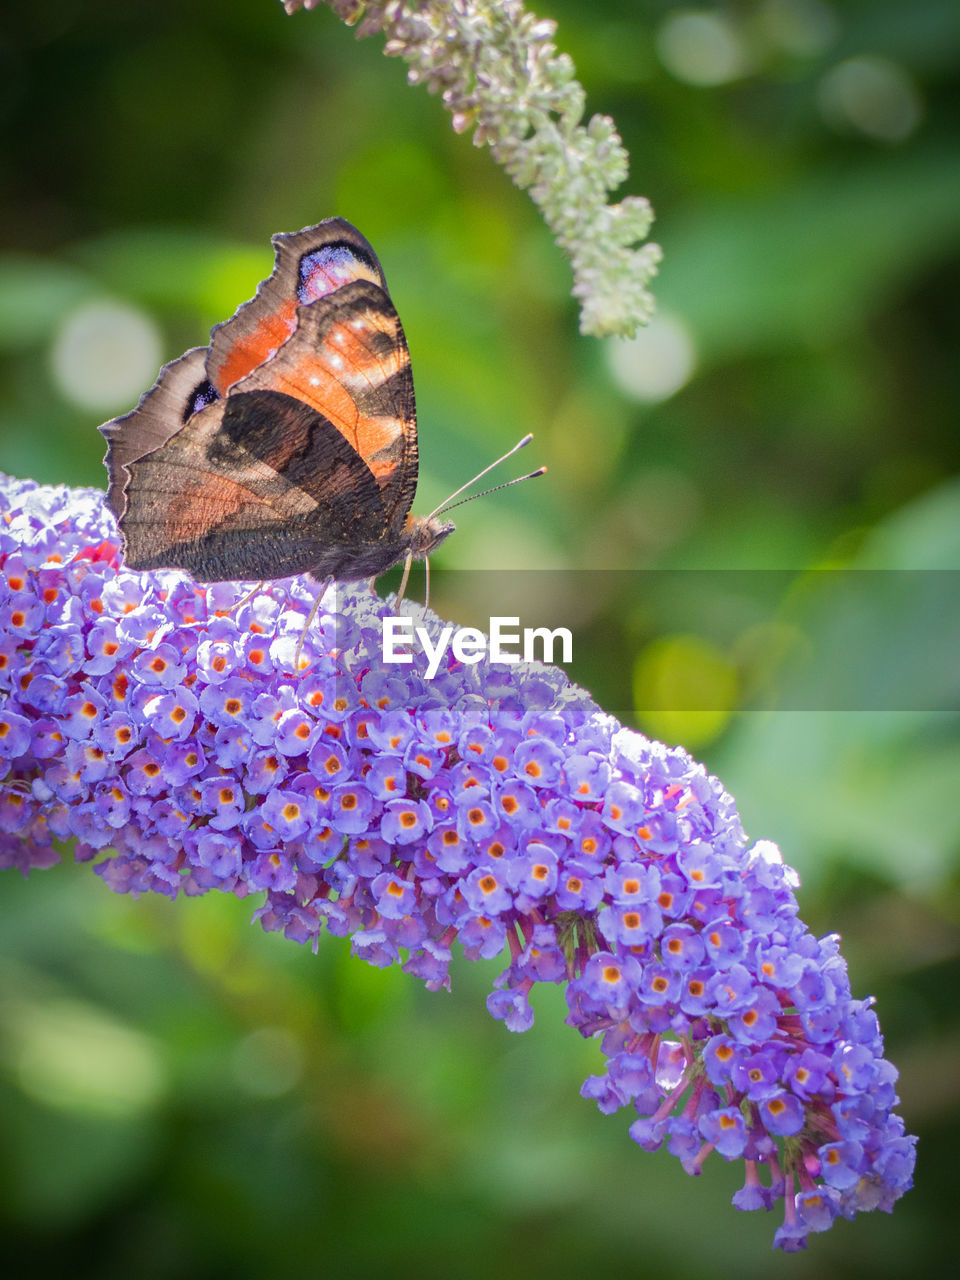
336	362
314	381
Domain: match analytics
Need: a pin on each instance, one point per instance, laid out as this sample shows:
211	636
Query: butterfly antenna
483	492
480	474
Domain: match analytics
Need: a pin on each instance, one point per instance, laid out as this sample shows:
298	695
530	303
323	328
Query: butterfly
287	445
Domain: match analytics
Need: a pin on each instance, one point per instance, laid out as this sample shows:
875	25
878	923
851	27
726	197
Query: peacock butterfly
289	444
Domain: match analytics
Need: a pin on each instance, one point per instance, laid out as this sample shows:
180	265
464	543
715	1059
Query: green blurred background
184	1096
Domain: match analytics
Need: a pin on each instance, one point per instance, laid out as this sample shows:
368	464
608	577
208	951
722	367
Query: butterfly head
424	534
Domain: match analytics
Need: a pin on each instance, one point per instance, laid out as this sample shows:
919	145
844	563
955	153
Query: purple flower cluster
163	726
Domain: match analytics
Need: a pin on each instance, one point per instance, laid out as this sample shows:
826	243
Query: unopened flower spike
499	73
495	810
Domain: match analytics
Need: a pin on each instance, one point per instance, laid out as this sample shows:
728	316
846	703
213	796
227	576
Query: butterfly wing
348	360
290	443
180	389
258	485
309	264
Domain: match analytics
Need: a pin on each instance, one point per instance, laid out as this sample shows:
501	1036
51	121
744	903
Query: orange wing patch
348	360
309	264
259	344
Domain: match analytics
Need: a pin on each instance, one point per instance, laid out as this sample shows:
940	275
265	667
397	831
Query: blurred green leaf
866	786
809	262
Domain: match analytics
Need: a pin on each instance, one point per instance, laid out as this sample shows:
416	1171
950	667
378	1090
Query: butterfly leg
426	590
405	579
314	610
249	596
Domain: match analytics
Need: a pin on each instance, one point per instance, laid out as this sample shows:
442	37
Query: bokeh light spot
684	690
701	47
656	363
800	27
73	1057
105	355
873	95
268	1062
